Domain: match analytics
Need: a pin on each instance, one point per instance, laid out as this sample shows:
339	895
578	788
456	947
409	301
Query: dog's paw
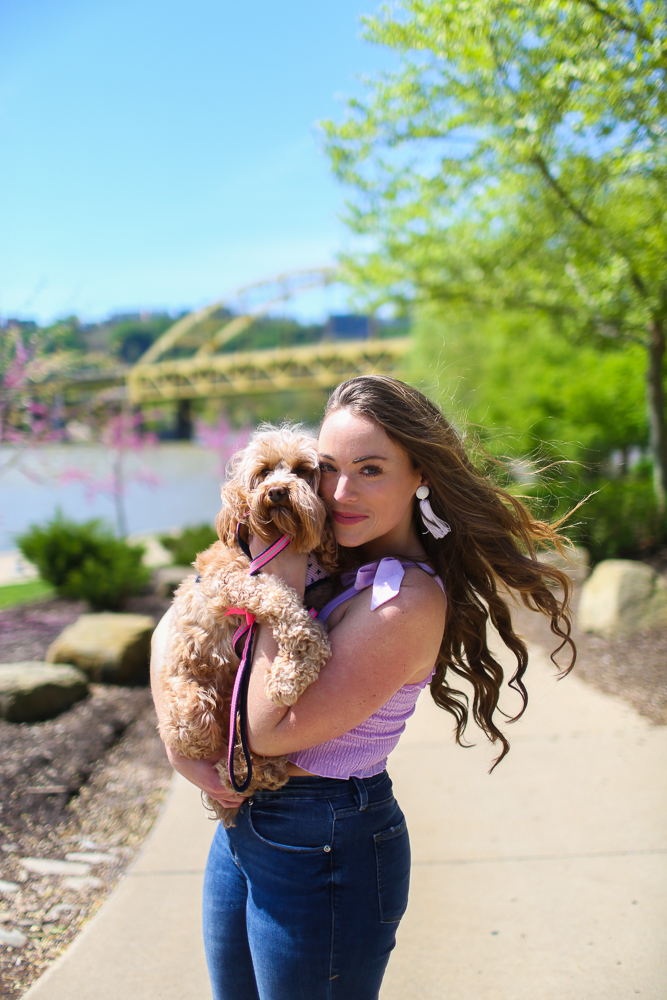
283	684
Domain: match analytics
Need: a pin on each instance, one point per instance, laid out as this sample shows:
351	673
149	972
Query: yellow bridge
319	366
189	361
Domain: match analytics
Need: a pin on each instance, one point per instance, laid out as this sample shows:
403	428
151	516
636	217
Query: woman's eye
371	470
325	467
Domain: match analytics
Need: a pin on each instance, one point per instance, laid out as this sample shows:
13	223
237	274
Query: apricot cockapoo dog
272	489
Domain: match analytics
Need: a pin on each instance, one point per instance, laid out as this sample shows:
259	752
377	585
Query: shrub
85	561
619	521
185	548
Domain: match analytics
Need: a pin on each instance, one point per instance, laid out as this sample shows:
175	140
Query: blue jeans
303	896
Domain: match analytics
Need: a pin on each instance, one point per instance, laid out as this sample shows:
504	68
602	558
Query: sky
159	154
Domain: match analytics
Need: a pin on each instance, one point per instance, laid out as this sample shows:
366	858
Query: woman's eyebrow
355	461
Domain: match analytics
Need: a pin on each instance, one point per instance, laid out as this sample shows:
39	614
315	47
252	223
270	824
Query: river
171	484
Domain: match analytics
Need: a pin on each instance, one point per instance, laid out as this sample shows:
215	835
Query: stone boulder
31	692
577	565
167	578
155	553
621	597
110	648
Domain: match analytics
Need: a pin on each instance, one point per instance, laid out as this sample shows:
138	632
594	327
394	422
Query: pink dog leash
238	714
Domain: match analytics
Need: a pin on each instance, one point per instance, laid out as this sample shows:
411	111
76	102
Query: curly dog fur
272	488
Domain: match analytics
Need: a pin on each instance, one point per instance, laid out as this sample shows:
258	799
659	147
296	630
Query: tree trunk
655	407
119	493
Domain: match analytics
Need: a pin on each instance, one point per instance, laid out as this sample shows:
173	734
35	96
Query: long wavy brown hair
490	554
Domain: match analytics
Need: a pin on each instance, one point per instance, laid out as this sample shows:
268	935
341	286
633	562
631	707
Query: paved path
543	881
15	569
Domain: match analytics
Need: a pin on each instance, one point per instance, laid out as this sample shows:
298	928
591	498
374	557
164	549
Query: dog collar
264	557
243	545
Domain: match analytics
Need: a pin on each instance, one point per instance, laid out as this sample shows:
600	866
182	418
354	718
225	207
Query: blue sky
161	153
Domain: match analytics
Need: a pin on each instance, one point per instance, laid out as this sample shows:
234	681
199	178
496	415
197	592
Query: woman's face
368	483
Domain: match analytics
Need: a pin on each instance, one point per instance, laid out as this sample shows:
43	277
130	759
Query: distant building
133	317
24	325
348	327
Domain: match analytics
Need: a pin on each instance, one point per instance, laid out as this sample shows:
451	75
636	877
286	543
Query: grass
24	593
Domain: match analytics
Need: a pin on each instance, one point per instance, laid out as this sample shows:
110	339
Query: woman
303	896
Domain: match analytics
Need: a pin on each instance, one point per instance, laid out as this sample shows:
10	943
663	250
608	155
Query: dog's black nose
277	493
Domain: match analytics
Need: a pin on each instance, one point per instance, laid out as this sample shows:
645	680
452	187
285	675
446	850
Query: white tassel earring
431	521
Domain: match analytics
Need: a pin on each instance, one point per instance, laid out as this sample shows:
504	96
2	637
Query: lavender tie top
363	751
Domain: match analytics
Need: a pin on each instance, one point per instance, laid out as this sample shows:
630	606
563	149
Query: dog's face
274	488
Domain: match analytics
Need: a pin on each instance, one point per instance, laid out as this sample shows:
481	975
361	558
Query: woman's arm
201	773
374	653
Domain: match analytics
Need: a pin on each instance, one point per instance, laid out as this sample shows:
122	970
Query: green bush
619	521
85	561
186	547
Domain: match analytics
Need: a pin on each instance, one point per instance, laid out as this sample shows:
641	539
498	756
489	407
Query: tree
517	159
121	434
531	392
25	422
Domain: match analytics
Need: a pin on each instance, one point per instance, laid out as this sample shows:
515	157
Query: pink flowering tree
221	438
25	422
122	435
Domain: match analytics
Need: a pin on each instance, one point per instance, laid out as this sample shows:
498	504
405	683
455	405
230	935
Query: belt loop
361	792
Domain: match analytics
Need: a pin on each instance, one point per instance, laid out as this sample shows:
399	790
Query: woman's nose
343	489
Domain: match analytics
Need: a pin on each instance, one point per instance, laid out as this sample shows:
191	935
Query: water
172	484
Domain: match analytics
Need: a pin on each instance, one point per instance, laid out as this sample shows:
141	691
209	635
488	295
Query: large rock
168	578
622	596
110	648
577	563
30	692
155	553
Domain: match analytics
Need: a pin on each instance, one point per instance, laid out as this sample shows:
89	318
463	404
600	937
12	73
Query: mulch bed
106	766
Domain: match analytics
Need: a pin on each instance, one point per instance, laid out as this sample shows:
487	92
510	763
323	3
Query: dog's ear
327	551
232	511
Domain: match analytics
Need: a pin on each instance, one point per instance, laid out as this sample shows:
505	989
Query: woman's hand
289	565
203	774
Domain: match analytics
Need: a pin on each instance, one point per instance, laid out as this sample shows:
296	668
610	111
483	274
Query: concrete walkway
543	881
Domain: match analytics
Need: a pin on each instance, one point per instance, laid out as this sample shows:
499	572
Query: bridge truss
317	366
206	370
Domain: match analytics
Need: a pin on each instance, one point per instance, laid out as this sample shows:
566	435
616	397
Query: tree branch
541	165
614	19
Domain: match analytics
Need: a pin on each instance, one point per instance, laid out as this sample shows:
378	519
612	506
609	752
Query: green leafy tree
130	339
63	335
530	391
516	159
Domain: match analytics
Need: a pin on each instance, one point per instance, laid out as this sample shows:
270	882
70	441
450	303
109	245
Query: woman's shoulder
405	586
421	589
406	618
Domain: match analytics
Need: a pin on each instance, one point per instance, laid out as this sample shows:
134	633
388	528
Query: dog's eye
265	472
303	473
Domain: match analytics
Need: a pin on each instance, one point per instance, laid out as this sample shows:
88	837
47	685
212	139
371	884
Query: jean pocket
392	855
306	830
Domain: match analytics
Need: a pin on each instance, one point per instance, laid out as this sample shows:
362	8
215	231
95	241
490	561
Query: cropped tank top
363	751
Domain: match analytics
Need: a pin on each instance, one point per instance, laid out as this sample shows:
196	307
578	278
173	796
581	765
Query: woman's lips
340	518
